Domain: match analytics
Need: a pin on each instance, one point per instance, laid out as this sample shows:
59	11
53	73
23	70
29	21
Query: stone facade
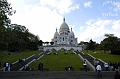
80	47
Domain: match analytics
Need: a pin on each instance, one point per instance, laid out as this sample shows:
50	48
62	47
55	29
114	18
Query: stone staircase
17	66
90	59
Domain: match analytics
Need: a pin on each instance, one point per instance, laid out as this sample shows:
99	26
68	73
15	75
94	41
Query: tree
91	45
51	43
110	43
40	43
82	42
109	35
5	10
47	42
5	32
20	38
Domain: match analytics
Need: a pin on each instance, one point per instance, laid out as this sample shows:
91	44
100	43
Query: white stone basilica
64	39
65	36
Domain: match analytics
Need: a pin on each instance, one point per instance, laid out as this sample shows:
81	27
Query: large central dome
64	26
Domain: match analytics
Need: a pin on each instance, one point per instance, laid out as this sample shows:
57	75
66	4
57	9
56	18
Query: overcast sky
89	19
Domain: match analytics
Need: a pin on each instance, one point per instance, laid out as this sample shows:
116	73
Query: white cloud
96	29
88	4
42	18
62	6
116	25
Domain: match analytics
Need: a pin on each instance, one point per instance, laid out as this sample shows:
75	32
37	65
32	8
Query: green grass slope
60	61
105	57
4	57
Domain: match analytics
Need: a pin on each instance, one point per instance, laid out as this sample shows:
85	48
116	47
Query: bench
82	69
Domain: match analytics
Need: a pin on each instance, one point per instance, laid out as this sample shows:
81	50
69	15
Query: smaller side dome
56	34
71	33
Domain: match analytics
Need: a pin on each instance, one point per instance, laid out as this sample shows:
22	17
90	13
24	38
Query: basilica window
63	39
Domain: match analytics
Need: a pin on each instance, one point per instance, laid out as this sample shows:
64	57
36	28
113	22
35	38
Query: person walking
85	65
95	64
99	70
9	67
110	66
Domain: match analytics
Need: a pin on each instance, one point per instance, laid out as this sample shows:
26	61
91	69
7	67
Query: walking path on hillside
90	59
17	66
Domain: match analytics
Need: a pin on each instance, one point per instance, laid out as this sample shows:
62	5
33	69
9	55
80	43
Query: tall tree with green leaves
5	11
5	32
110	43
40	43
91	45
51	43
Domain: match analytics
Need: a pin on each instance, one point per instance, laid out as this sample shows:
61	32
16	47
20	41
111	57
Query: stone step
54	75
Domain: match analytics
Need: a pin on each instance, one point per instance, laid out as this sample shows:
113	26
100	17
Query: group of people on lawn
69	68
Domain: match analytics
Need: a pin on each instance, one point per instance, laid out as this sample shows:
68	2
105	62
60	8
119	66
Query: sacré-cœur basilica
64	39
65	36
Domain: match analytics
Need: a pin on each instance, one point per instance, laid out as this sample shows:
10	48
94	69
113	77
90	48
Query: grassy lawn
60	61
4	57
104	57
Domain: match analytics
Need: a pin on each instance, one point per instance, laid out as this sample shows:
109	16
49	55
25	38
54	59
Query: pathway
90	59
17	66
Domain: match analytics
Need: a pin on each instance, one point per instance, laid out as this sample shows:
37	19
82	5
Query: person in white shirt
85	65
99	70
106	66
7	65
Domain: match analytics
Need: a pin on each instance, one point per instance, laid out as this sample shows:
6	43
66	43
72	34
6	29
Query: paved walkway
90	59
55	75
17	66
